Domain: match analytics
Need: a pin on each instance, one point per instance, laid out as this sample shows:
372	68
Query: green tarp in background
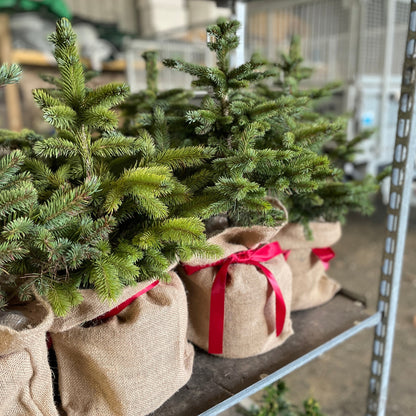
57	7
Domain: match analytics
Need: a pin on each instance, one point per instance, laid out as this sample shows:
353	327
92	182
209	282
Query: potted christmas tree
235	192
133	232
315	218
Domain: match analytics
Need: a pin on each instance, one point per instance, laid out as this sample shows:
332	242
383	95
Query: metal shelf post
397	219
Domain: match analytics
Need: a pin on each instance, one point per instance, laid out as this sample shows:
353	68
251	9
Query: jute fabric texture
129	364
249	315
25	376
311	284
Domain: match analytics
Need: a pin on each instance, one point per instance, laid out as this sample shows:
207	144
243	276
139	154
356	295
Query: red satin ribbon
115	311
325	255
253	257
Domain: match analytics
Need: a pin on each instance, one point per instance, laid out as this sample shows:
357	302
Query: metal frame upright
397	219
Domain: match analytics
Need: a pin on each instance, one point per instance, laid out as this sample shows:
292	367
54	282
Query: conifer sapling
232	123
135	190
334	196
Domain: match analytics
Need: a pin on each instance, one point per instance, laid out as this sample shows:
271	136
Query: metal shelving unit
219	383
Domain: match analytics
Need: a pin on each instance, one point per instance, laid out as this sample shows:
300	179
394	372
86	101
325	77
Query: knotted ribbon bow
325	255
253	257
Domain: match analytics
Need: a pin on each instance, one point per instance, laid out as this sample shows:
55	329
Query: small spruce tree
232	123
335	196
137	185
124	185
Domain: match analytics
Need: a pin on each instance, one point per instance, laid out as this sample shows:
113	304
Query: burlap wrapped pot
249	303
311	285
129	364
25	376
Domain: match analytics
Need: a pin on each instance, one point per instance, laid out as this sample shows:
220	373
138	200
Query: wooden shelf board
215	379
37	58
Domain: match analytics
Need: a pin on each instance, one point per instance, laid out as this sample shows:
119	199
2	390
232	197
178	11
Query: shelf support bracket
397	220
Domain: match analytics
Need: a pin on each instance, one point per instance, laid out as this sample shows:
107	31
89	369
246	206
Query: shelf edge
369	322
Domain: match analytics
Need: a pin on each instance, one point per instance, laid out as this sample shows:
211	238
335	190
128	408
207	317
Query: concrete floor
338	379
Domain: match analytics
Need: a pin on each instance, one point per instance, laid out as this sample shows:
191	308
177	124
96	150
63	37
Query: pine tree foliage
123	184
325	134
233	123
9	74
159	112
41	243
22	140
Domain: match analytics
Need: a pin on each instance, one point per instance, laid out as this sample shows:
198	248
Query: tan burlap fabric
249	317
25	376
130	364
311	285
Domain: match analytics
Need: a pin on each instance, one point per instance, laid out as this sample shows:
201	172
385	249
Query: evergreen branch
199	179
180	230
20	199
63	296
100	118
182	66
181	158
61	116
128	272
44	99
145	184
17	229
55	147
9	74
153	265
245	70
20	179
22	140
9	165
69	64
152	206
104	276
113	146
106	96
11	251
67	202
50	79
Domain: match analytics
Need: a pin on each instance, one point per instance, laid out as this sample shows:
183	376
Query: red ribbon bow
253	257
325	255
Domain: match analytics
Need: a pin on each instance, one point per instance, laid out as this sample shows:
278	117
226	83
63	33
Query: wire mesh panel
372	38
196	53
356	42
324	28
328	31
